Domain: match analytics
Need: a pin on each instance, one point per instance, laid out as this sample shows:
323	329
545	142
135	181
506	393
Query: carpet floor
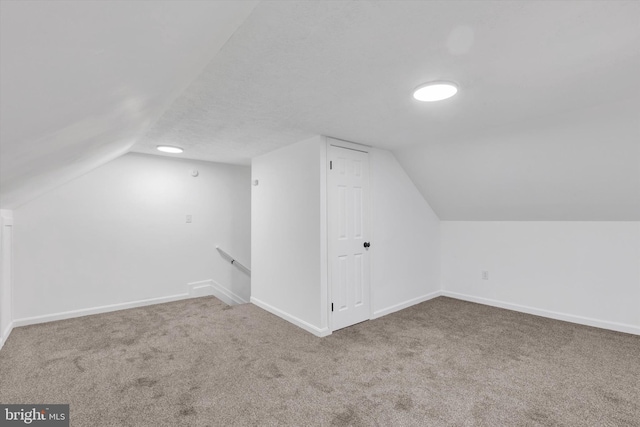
440	363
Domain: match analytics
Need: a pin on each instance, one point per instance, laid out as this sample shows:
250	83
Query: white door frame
330	141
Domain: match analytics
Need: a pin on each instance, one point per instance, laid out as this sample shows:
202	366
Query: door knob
367	244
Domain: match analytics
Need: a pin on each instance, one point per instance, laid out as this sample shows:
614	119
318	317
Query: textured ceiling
347	69
549	97
81	80
580	165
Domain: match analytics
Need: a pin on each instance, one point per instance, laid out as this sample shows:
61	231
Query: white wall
112	70
6	255
289	236
406	239
287	245
118	235
585	272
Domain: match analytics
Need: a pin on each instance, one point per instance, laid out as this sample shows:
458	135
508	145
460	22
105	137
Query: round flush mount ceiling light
169	149
435	91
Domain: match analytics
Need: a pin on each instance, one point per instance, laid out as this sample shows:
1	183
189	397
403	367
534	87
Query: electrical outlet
485	275
189	219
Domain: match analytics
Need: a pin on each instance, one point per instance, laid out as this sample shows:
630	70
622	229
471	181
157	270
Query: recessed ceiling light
435	91
169	149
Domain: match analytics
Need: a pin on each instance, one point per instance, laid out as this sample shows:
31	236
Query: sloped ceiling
545	125
579	165
80	81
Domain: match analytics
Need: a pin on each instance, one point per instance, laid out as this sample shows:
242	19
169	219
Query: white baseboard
221	290
194	290
200	289
211	287
292	319
4	335
96	310
614	326
403	305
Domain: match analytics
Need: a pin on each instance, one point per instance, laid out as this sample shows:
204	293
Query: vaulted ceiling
546	125
81	81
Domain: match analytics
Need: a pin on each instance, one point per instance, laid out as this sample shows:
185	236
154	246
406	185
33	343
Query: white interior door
348	228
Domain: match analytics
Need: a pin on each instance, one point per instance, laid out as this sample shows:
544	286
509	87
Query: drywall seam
588	321
97	310
406	304
319	332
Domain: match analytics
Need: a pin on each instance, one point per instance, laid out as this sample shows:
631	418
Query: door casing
365	149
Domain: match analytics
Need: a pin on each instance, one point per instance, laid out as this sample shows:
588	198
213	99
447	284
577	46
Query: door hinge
330	164
332	307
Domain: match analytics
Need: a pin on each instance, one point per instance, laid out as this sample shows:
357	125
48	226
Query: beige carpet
440	363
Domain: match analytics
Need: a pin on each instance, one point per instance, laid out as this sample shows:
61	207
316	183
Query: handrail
234	261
